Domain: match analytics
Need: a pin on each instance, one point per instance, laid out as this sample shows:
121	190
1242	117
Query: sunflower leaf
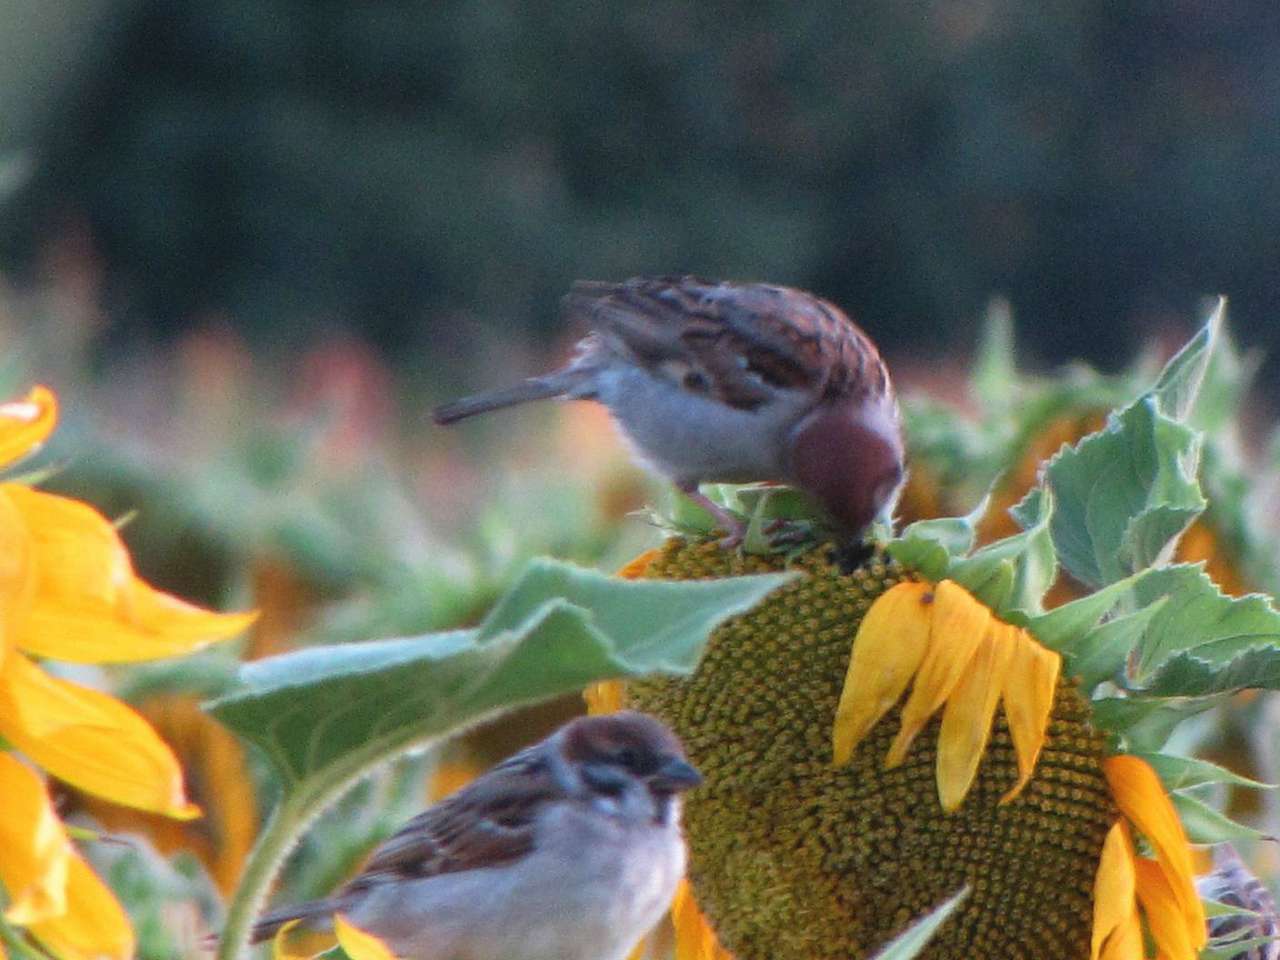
1013	574
1143	723
1206	825
1202	641
1101	653
1181	773
333	710
1058	628
1125	494
909	943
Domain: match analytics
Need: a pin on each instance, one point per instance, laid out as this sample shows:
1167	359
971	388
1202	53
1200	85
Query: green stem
277	838
17	945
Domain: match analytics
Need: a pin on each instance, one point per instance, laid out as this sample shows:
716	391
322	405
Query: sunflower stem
278	837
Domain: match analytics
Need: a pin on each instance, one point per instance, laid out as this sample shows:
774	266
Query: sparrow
568	850
732	383
1231	882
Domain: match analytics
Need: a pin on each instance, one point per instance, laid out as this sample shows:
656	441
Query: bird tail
564	383
269	924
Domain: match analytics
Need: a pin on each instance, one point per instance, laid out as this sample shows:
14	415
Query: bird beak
675	775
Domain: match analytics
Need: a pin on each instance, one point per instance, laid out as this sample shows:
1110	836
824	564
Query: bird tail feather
565	383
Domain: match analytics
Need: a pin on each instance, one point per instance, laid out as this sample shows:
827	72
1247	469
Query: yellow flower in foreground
357	944
962	757
68	591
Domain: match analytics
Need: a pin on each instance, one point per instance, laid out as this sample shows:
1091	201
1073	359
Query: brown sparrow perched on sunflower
568	850
732	383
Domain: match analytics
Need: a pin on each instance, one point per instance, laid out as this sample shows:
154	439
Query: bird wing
741	343
488	822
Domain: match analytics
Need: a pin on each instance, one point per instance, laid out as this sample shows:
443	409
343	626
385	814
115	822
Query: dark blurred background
433	175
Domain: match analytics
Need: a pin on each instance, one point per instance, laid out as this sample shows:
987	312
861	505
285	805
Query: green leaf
1122	496
995	373
1181	773
909	943
557	629
1013	574
1059	628
1179	384
1145	724
1206	825
1101	653
1202	642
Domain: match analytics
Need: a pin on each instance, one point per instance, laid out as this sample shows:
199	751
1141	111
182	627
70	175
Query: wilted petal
357	944
1164	915
94	926
1141	797
26	423
959	626
1113	889
88	605
279	946
607	696
1029	688
887	651
36	851
90	740
966	721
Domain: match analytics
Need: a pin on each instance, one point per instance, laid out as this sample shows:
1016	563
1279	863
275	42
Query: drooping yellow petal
695	940
966	721
959	625
1113	888
26	423
887	651
94	926
1125	943
90	740
1142	798
88	605
1028	694
36	851
357	944
1164	915
279	943
608	696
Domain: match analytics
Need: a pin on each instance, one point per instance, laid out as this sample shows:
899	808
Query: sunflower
68	592
875	740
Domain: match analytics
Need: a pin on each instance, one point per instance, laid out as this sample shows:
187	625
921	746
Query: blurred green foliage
388	165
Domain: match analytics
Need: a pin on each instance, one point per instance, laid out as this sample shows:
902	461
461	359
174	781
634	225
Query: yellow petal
26	423
695	940
90	740
966	721
357	944
1164	915
887	651
959	625
94	926
1126	942
88	605
1029	688
37	852
1141	797
1113	887
635	568
279	948
605	697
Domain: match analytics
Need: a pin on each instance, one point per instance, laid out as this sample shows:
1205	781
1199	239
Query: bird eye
628	758
697	382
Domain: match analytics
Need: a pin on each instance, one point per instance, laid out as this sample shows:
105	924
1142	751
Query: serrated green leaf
1181	773
1233	949
1013	574
329	709
1144	724
1206	825
1058	628
1179	384
1101	653
909	943
1122	495
1202	641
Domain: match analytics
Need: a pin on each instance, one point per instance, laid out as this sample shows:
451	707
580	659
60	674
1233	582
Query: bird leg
733	525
